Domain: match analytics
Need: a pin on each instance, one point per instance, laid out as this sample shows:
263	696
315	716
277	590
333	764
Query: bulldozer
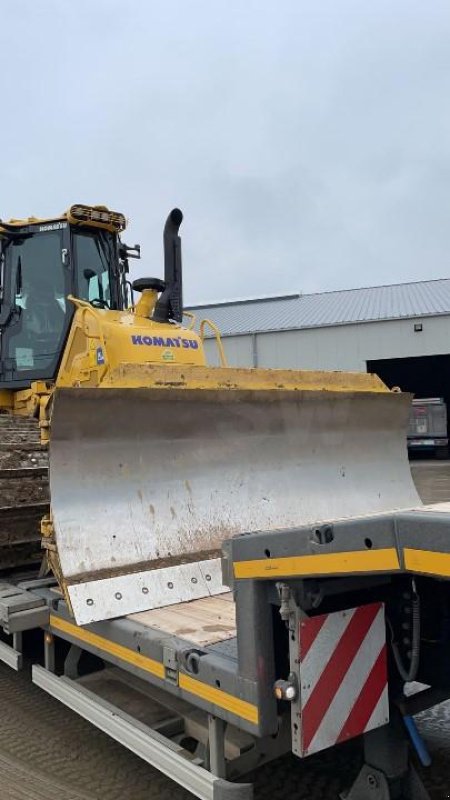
172	482
156	458
62	279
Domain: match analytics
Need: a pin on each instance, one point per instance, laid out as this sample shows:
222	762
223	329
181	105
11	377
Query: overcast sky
307	143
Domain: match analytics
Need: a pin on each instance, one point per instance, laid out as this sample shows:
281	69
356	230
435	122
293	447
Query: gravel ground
432	479
48	752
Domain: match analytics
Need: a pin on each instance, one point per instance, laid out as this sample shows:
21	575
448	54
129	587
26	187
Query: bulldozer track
24	492
24	472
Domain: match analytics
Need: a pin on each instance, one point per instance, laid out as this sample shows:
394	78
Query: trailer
290	659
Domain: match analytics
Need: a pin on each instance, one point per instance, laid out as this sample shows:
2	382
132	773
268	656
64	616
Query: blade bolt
118	596
144	590
372	781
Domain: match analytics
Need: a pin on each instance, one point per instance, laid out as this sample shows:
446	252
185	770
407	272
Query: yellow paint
113	649
93	216
96	217
234	705
6	399
427	561
146	304
207	323
358	561
269	383
128	344
220	698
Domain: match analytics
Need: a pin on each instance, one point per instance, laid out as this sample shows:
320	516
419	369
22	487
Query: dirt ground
46	751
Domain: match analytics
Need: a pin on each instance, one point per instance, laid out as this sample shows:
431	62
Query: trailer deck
190	687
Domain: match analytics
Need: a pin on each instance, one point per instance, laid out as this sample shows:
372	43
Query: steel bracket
20	610
372	784
167	756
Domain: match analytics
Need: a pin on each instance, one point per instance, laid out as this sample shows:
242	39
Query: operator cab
41	263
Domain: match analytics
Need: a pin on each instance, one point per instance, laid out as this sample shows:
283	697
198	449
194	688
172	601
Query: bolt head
372	781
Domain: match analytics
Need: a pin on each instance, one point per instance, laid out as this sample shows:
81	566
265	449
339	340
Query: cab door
35	314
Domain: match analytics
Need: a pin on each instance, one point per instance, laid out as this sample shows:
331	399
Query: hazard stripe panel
367	701
343	676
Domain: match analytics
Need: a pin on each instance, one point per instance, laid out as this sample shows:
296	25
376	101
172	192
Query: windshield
93	257
36	323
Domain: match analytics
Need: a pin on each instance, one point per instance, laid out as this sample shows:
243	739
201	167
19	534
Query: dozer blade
146	483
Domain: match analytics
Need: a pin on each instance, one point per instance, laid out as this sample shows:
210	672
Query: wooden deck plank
202	622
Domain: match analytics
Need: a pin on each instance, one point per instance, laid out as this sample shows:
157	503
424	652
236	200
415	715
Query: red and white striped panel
343	676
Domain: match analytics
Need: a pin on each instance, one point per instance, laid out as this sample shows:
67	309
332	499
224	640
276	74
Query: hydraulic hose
409	674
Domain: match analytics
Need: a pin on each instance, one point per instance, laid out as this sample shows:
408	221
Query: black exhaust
169	305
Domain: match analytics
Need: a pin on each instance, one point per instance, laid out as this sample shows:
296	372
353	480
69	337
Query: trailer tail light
286	690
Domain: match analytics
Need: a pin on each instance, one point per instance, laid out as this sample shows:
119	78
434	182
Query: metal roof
344	307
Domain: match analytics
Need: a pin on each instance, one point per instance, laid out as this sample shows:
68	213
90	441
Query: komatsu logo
163	341
55	226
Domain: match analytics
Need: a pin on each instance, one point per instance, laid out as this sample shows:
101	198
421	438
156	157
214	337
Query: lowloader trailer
240	564
326	625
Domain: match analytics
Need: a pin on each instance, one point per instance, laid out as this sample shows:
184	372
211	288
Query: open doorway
423	376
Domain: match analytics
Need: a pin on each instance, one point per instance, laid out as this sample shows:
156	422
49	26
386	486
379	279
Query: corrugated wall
343	347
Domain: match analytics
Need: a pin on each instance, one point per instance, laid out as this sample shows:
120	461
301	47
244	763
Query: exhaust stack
170	303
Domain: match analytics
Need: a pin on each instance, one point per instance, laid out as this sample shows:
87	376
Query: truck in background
427	430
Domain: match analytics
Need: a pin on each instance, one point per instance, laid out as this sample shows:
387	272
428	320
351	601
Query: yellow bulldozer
172	483
156	458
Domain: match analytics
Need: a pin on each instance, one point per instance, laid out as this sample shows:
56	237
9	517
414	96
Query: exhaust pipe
170	303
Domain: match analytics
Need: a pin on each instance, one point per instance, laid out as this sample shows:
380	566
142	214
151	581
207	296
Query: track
23	491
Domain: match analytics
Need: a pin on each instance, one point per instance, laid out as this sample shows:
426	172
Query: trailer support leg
216	730
49	652
387	773
72	661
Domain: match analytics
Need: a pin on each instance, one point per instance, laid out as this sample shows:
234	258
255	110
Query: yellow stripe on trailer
427	561
383	560
232	704
113	649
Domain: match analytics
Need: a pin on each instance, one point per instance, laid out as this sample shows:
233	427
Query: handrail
216	332
192	317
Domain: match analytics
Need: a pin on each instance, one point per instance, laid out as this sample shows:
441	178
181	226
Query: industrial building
401	332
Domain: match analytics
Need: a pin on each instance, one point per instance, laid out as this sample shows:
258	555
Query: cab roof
94	216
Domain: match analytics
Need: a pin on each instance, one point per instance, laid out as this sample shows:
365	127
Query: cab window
93	272
36	327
